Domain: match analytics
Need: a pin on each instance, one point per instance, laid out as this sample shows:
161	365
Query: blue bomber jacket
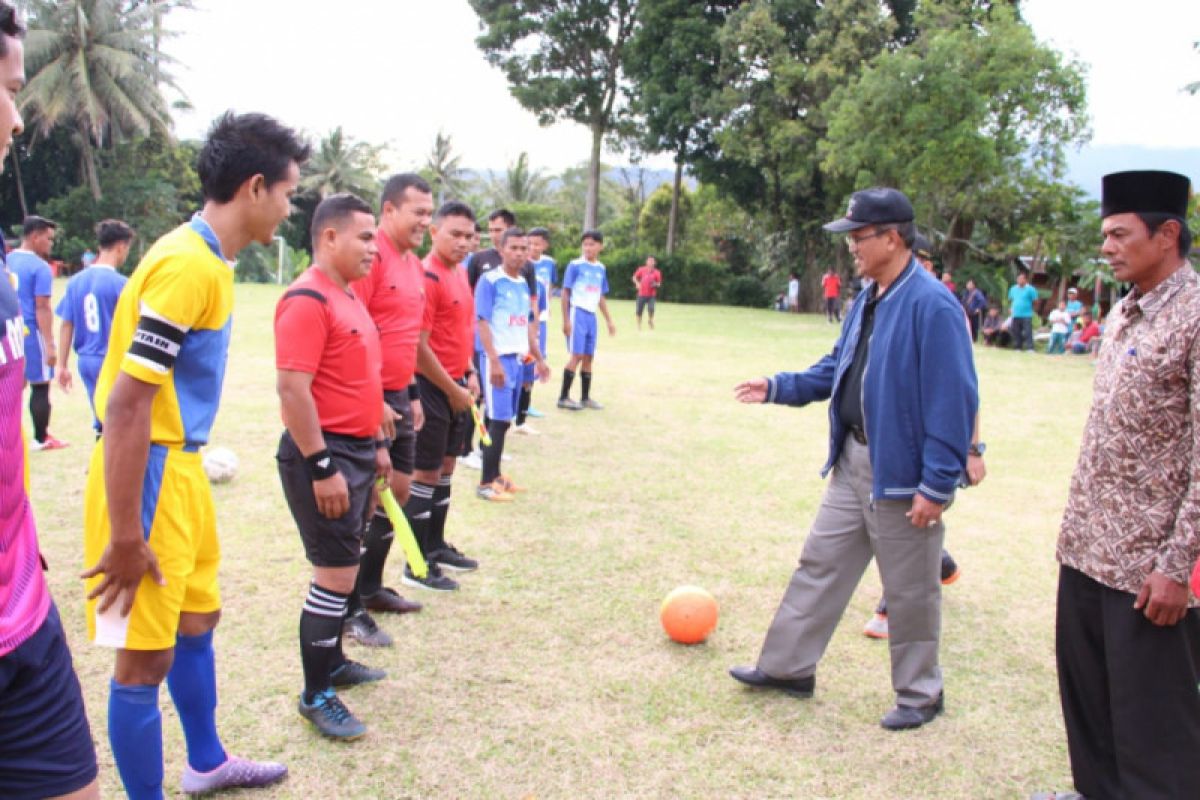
920	394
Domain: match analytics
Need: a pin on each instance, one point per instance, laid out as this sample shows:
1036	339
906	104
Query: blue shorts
502	402
529	371
36	368
45	742
583	332
89	371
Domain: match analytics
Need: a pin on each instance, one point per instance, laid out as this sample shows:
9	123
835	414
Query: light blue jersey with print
504	303
88	305
33	280
546	271
588	282
1021	298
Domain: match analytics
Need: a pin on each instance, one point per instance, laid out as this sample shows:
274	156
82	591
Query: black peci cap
876	206
1145	192
922	247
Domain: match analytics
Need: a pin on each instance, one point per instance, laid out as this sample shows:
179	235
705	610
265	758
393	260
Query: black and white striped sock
320	637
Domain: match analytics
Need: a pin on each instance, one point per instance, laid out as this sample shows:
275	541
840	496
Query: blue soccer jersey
88	305
546	271
588	282
33	280
504	303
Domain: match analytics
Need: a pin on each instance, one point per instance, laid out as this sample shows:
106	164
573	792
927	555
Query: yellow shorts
179	522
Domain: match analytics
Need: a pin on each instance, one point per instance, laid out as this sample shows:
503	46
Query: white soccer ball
220	464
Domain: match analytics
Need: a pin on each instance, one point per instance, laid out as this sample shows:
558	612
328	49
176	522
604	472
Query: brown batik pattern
1134	504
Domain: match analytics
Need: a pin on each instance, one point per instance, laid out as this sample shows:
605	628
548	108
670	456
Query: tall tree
966	120
443	168
94	66
563	60
521	183
341	164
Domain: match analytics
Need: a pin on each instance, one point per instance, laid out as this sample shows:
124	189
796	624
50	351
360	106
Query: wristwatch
976	449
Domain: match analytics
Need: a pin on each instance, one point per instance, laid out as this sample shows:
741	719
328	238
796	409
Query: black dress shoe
753	676
903	718
391	602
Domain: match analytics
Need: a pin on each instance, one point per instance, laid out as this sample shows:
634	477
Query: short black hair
334	210
33	224
542	232
398	184
512	232
594	235
240	146
1154	221
454	208
10	26
509	218
110	232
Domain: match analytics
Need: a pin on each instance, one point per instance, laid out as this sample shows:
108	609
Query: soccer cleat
525	430
569	404
449	557
493	492
508	486
331	717
472	461
49	443
352	673
593	405
434	580
950	570
363	629
876	627
533	412
235	773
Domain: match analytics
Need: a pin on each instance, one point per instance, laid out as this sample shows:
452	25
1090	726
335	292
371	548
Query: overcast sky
397	71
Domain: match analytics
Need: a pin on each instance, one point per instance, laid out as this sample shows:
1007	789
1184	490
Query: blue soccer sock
193	684
135	733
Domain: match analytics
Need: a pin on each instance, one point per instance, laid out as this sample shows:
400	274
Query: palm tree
95	66
521	183
341	164
442	168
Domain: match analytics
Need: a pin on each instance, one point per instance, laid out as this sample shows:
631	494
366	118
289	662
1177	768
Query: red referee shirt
449	315
394	293
335	341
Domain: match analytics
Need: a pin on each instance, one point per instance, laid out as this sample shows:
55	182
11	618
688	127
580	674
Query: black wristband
414	392
383	444
320	465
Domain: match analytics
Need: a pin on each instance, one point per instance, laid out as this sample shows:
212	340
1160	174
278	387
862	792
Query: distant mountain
1090	164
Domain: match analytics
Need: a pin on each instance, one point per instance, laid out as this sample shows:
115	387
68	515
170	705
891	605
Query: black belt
859	434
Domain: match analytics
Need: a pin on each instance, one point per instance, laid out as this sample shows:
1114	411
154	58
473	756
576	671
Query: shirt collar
200	225
1150	303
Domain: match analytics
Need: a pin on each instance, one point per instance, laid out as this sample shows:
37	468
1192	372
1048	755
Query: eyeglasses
852	242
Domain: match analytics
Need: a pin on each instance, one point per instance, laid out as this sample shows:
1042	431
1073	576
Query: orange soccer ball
689	614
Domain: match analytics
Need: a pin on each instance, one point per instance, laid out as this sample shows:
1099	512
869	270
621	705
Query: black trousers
1129	695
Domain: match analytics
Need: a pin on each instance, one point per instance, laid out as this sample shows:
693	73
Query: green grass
548	675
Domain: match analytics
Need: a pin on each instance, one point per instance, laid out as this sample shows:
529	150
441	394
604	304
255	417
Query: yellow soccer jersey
171	328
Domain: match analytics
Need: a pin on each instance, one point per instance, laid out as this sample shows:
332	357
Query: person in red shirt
1088	338
327	355
831	286
394	293
647	279
445	377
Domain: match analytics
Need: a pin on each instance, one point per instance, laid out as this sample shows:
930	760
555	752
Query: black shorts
443	432
405	442
45	742
329	542
643	302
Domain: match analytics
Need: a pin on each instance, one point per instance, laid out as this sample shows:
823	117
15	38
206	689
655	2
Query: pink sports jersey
24	598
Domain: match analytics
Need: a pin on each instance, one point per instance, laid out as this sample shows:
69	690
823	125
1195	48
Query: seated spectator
1087	338
992	327
1060	326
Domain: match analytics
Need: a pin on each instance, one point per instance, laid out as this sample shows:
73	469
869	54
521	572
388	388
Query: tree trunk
673	219
13	151
593	190
87	156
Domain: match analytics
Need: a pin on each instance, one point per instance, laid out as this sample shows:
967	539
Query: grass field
548	676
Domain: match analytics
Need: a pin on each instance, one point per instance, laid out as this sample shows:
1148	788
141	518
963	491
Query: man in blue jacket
903	398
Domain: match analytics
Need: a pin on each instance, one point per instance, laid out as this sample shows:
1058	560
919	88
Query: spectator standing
831	286
975	303
793	293
1020	299
1060	326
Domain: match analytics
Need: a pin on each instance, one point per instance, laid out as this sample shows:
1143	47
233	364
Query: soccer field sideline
547	675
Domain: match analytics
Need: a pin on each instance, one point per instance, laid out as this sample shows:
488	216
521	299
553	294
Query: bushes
685	280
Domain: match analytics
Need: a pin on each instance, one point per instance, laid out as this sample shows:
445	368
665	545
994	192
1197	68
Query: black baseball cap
1145	192
877	206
